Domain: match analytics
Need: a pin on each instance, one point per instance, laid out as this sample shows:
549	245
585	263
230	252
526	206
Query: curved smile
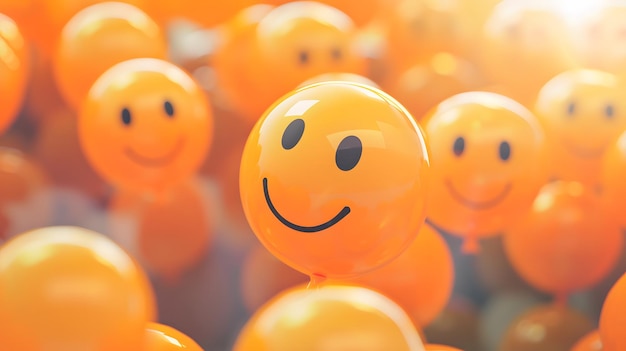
318	228
478	205
155	161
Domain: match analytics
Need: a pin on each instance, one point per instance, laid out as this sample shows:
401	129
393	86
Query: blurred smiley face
333	179
583	111
146	125
487	155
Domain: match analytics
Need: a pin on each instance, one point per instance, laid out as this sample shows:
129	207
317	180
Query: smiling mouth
155	161
583	152
318	228
478	205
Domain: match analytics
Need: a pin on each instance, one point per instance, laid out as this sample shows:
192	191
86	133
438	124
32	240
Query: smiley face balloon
583	112
146	125
488	155
333	179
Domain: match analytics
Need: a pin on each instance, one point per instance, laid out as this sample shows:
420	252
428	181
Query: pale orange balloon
146	125
613	319
14	70
68	287
583	111
161	337
590	342
97	38
330	318
612	182
565	243
420	280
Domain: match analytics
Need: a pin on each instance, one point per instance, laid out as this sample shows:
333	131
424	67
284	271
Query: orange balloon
57	149
333	179
590	342
613	319
175	232
361	12
14	70
525	44
564	244
205	13
161	337
22	186
98	37
546	328
329	318
488	155
436	347
298	41
67	287
263	276
146	125
612	179
584	111
420	280
427	83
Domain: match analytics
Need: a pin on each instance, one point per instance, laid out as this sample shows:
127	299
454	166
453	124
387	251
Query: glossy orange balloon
564	244
420	280
424	85
525	44
175	232
99	37
264	276
161	337
613	319
14	70
146	125
436	347
590	342
333	179
612	180
583	112
488	156
298	41
546	328
329	318
67	287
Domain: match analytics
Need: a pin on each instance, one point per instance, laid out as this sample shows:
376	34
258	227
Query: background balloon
612	318
337	317
590	342
161	337
613	188
81	289
14	68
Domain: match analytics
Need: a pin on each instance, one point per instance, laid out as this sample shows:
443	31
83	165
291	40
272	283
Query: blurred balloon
14	70
161	337
64	288
98	37
57	149
343	195
456	326
361	12
612	179
584	113
489	161
590	342
564	244
205	13
613	319
146	126
329	318
546	328
263	276
420	280
429	82
525	44
175	232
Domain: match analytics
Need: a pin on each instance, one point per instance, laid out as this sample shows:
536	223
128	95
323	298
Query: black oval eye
459	146
126	119
348	153
292	134
336	53
571	109
169	109
505	151
303	56
609	111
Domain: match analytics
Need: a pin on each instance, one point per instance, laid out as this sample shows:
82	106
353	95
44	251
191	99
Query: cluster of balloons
360	141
